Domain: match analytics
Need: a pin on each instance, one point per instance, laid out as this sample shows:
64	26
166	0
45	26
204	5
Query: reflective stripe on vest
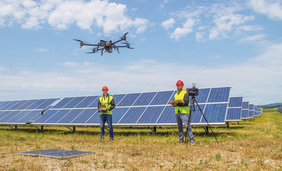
106	103
180	96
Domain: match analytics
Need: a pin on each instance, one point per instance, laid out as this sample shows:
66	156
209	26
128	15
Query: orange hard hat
105	88
179	82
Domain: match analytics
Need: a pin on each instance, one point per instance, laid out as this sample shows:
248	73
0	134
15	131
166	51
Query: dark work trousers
180	119
103	119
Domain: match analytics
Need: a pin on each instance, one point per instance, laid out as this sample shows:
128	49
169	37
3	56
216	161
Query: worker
106	104
181	104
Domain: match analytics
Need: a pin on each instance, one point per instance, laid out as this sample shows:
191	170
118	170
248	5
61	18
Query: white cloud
225	23
186	28
271	8
215	21
252	38
257	80
167	24
60	14
250	28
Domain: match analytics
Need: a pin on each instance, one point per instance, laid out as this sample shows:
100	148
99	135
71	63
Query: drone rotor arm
87	44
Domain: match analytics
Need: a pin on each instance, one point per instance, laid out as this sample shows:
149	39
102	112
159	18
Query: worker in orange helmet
106	104
182	110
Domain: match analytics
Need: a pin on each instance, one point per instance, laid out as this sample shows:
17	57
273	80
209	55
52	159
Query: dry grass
249	145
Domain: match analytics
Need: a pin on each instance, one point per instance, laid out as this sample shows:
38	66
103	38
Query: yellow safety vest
106	103
180	96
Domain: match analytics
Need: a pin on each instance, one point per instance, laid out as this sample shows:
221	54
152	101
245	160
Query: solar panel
94	119
235	109
236	102
22	111
168	116
257	111
84	116
245	110
234	114
148	108
132	115
86	102
55	153
151	114
215	113
251	110
163	97
203	95
219	94
129	99
144	99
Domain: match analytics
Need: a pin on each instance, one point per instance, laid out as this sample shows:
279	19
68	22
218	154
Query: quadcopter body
107	46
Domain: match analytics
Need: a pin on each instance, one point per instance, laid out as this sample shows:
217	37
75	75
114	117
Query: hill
272	105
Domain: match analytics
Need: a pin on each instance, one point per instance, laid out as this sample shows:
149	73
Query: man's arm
113	105
186	101
99	105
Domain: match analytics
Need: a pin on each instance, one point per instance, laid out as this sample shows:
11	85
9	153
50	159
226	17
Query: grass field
255	144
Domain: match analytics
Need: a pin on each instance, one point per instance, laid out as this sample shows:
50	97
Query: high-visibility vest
106	103
180	96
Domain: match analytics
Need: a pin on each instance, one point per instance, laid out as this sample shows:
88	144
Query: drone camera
194	91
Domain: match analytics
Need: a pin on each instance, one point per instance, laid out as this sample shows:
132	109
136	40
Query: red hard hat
179	82
105	88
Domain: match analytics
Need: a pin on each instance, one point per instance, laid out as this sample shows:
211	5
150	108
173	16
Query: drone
107	46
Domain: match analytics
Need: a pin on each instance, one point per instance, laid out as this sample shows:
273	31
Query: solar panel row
239	110
149	108
21	112
26	104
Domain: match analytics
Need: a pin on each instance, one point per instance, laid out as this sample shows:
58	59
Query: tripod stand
193	109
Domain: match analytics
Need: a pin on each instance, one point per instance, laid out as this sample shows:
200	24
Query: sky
235	43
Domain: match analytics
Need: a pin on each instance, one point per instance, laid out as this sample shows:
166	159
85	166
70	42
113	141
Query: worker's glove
175	102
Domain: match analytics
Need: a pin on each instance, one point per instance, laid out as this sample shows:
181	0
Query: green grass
249	145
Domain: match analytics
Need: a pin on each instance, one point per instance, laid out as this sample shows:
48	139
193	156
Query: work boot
181	141
192	142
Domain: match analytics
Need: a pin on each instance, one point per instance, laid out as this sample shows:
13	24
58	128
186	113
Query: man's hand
107	108
175	102
100	109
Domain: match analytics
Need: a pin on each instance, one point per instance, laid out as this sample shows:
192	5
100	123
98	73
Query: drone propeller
126	42
102	52
80	42
124	36
94	50
128	46
116	48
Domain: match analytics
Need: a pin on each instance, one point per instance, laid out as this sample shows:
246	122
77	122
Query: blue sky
235	43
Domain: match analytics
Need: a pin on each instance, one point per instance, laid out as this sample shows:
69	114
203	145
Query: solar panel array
22	111
239	110
148	108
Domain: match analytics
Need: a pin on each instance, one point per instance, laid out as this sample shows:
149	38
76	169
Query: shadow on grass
124	131
233	127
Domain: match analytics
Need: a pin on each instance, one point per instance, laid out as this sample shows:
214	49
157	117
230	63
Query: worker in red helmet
182	110
106	104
